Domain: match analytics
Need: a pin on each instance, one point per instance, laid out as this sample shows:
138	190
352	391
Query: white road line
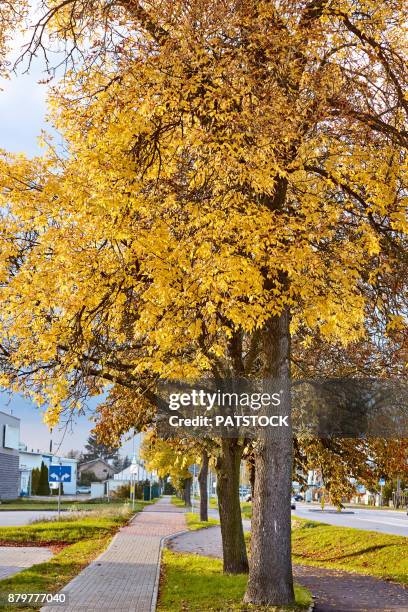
402	523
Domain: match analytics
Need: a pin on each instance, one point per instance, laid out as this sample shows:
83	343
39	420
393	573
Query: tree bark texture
202	481
232	532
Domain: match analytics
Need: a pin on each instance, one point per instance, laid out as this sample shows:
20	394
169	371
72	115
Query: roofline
27	452
10	415
95	461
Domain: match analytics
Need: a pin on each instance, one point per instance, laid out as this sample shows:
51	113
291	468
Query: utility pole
59	490
194	486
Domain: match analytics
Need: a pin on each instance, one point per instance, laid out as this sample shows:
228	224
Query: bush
169	489
87	478
35	480
123	492
43	486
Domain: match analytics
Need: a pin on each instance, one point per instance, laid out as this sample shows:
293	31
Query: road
13	518
383	521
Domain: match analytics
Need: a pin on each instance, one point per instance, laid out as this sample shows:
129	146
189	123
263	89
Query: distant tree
43	485
117	464
88	477
35	479
168	488
126	462
389	488
96	450
169	459
75	454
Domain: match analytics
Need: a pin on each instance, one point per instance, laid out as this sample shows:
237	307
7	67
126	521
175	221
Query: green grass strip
364	552
192	582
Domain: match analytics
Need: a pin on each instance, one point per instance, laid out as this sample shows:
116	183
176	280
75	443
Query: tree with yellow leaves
169	459
235	171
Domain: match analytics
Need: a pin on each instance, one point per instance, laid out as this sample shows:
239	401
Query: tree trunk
270	575
202	481
232	533
187	491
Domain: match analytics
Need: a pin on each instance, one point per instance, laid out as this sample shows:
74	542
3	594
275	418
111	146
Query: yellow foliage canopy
211	151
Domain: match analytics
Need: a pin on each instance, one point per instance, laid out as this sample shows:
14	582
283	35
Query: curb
157	579
33	510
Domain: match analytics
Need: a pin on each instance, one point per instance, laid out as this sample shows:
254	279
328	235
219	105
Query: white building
139	474
30	460
135	472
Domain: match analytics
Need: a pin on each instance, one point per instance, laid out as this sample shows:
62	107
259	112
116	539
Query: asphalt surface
13	518
383	521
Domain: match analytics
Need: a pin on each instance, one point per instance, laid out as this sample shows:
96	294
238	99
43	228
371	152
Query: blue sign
59	473
381	482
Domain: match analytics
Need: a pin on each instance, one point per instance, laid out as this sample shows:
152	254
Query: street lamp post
59	491
133	469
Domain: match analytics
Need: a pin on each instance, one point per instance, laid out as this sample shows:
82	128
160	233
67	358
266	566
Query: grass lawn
85	538
246	510
192	518
194	523
193	582
176	501
354	550
213	503
246	507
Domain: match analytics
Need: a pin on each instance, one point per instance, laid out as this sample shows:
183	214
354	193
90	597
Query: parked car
248	498
83	490
298	497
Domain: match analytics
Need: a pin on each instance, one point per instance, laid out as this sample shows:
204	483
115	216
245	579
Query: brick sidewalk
125	577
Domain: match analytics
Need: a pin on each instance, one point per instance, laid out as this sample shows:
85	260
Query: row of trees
343	464
39	480
230	201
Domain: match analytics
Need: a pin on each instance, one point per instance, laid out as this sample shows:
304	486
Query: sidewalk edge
159	561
